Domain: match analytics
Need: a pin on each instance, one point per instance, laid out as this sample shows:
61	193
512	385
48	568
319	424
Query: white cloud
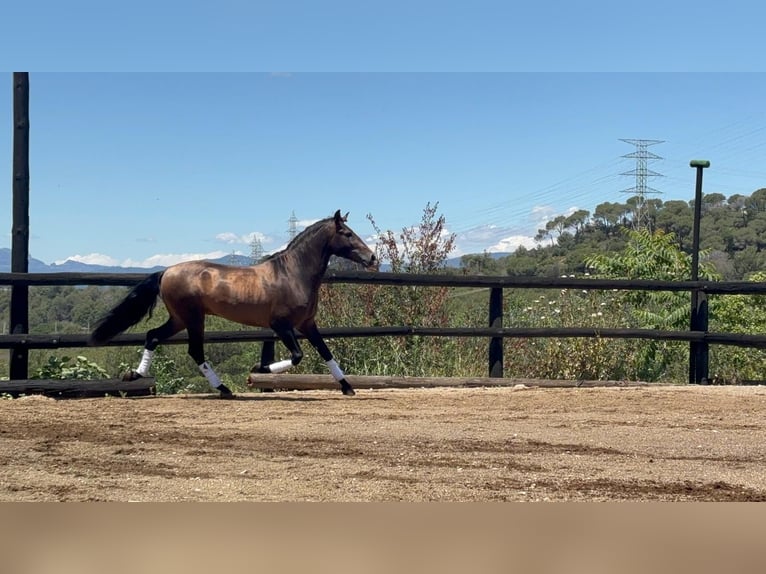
246	239
91	259
304	223
542	214
228	237
490	238
167	259
512	243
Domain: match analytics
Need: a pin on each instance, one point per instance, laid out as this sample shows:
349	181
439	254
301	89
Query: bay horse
281	292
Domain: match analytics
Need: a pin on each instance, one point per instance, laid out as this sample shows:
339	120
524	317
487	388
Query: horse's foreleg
286	334
196	351
267	358
312	334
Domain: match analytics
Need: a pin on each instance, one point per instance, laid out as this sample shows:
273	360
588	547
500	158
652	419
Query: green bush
79	368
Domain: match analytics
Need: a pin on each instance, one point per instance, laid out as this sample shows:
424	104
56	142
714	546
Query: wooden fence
495	332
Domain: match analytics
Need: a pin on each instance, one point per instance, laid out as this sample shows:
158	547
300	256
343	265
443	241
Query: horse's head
345	243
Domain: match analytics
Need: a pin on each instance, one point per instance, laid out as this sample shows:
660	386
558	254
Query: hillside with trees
732	233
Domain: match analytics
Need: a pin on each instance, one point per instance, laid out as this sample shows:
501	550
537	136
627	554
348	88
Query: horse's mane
310	231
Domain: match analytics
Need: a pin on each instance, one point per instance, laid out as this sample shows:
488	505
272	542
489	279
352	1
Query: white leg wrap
335	370
280	366
210	375
146	362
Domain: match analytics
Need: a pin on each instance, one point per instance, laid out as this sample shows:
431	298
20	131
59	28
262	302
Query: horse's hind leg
196	351
153	338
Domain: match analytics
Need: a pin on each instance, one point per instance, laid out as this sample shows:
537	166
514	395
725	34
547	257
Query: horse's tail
140	301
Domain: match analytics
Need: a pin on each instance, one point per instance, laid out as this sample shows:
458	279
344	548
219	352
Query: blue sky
384	35
349	107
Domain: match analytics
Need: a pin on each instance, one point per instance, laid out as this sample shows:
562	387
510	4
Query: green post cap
699	163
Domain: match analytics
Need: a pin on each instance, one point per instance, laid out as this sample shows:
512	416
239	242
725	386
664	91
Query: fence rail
407	279
64	341
495	332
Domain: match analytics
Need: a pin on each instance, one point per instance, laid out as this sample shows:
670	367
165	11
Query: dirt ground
459	444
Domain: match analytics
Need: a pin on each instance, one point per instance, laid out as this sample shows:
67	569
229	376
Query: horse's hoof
131	375
346	389
225	392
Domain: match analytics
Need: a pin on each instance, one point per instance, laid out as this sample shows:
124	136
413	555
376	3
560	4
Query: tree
609	214
712	201
578	220
480	264
542	234
557	224
677	219
653	255
422	248
757	202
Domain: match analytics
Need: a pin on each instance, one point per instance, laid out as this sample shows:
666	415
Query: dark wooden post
496	321
20	230
20	227
698	351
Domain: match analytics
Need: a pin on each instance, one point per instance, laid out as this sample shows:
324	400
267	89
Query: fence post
496	322
19	356
698	350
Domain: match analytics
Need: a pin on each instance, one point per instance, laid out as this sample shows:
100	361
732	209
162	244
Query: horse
281	292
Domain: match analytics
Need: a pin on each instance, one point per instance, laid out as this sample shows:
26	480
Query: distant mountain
35	265
69	266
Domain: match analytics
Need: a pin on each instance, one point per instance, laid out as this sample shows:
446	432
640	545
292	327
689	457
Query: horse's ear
338	220
345	217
